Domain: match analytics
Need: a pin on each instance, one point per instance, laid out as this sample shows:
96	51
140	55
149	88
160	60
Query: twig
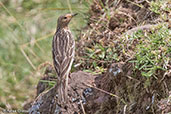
111	94
82	107
144	27
125	109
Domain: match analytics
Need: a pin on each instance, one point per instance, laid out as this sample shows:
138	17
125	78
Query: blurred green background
26	31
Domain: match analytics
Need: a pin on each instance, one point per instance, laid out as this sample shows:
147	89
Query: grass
26	31
152	51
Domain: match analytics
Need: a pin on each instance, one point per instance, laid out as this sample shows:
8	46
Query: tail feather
62	93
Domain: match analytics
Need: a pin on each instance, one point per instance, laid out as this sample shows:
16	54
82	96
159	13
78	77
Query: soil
113	92
118	90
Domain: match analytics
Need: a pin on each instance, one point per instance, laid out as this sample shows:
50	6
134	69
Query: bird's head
64	20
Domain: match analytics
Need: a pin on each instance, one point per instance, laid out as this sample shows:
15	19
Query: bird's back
63	51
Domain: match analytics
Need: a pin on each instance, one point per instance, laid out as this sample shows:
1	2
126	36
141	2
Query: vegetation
152	51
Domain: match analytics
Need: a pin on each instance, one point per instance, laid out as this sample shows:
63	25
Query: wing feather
63	52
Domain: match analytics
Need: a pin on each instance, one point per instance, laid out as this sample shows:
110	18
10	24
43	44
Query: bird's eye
65	17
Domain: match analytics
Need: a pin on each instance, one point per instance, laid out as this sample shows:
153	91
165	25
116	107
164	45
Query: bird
63	52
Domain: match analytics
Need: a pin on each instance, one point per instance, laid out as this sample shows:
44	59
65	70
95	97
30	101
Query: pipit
63	51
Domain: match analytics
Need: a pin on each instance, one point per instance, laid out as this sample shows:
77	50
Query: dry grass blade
69	5
39	39
9	28
43	65
111	94
27	58
103	91
46	9
141	6
125	109
26	44
82	107
11	15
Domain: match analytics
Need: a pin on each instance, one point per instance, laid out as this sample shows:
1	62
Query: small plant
155	7
101	56
50	83
152	52
159	6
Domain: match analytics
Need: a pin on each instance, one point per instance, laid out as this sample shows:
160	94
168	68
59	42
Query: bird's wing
63	52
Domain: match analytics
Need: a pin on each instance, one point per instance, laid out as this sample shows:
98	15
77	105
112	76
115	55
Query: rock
78	91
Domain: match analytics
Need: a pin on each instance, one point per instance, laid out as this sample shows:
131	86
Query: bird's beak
73	15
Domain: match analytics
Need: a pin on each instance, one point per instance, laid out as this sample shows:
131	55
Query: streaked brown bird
63	51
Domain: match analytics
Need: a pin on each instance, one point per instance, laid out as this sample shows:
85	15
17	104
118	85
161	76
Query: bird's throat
60	28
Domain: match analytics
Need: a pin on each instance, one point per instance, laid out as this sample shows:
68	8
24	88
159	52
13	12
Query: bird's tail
62	92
